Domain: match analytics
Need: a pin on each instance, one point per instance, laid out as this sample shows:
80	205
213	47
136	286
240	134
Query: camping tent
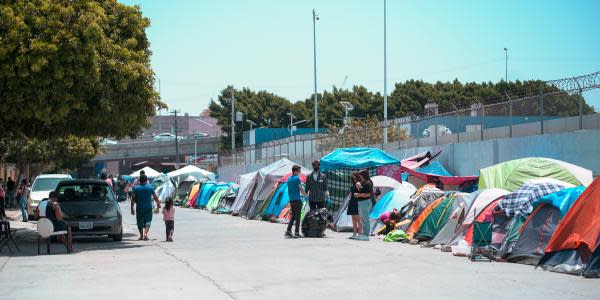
193	193
513	174
394	199
435	169
574	246
247	184
482	199
163	187
460	206
343	222
151	173
541	224
181	174
183	191
520	202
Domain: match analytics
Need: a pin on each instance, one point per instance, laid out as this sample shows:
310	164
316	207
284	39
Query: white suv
41	187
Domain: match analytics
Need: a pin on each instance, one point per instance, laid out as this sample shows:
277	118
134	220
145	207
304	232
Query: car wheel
118	237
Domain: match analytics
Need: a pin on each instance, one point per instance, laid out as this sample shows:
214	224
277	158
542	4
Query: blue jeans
23	203
364	209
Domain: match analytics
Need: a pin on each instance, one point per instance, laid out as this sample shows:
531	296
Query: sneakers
297	235
362	238
353	237
288	234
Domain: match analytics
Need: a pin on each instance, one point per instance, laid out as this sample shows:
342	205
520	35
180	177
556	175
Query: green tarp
513	174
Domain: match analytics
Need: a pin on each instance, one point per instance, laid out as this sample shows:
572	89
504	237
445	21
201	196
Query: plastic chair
45	230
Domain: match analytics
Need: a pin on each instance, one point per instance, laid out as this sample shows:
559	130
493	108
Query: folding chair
45	230
482	239
7	236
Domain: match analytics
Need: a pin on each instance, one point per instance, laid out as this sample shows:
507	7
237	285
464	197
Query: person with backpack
295	190
316	187
364	198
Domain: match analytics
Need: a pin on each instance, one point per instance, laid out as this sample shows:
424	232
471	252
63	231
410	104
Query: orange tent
193	195
416	224
580	228
480	218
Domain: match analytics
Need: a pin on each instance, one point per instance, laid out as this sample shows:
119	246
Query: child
390	219
169	218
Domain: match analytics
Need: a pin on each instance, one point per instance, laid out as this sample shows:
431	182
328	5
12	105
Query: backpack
315	222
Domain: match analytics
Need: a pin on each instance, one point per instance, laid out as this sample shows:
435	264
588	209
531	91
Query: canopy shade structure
181	174
511	175
151	173
356	158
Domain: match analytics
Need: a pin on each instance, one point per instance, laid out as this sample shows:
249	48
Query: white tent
259	184
151	173
181	174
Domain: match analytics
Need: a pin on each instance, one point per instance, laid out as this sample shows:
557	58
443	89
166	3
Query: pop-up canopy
356	158
181	174
151	173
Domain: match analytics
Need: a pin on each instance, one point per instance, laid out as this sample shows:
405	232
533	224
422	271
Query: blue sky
200	46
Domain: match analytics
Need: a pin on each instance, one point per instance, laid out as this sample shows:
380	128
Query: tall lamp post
385	100
174	112
315	18
506	65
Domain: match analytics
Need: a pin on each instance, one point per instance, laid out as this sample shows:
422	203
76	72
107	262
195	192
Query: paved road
224	257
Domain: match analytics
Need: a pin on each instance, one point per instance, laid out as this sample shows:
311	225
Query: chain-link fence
504	117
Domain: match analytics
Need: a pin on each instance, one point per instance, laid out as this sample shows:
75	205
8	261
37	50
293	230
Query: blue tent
204	190
208	191
563	199
279	201
395	198
356	158
434	167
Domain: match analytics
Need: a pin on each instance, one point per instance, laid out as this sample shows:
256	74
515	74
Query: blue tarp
563	200
395	198
356	158
434	167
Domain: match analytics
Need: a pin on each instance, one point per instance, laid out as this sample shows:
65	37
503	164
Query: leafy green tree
77	68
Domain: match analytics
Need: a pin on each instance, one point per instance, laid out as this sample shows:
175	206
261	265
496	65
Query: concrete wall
580	147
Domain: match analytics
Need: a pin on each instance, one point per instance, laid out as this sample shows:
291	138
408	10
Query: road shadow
27	241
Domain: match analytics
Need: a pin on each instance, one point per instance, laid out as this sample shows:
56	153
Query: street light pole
385	95
506	65
315	18
232	122
176	140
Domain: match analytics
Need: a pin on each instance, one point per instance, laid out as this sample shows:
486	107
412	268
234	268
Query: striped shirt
316	187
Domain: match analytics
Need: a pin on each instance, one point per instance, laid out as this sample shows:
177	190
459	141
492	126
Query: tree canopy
406	99
69	67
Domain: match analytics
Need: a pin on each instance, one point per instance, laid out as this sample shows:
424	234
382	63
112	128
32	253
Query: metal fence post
510	115
436	134
541	109
417	133
303	158
482	120
457	128
580	110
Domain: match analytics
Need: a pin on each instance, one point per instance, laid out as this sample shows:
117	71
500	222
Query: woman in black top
353	206
54	214
364	203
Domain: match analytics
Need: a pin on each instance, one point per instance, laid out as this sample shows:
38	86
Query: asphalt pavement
225	257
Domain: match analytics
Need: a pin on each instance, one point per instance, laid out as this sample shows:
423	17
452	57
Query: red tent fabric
580	228
418	160
285	178
446	180
480	218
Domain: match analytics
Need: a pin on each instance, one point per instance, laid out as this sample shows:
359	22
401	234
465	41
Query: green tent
511	175
436	220
213	202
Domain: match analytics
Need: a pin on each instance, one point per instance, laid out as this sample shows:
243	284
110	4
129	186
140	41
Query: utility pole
506	65
176	140
232	122
315	18
385	100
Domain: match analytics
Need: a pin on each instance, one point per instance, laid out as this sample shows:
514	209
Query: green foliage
406	99
78	68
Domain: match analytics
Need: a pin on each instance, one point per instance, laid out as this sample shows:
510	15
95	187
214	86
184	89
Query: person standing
295	190
352	210
2	199
23	196
316	187
169	218
10	192
141	206
364	203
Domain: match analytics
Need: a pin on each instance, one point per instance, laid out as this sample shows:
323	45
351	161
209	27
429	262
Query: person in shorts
141	206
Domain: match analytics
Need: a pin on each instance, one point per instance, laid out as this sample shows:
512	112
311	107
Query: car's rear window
85	192
46	184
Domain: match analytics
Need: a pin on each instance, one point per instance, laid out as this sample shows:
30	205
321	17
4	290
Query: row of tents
540	211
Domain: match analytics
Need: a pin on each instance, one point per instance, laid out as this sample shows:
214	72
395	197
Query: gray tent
460	207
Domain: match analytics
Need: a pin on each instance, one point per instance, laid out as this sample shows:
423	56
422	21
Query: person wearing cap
316	187
141	206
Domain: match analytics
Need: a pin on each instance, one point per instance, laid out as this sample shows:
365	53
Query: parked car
90	208
165	137
197	136
108	142
41	187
